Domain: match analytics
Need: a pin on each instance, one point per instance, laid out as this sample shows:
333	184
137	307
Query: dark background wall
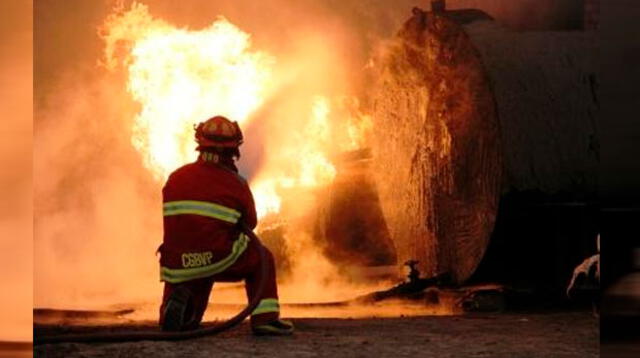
529	14
619	58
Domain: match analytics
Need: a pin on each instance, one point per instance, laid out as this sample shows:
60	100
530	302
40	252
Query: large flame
300	162
181	77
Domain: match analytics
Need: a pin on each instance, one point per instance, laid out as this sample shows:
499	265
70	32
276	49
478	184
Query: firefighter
202	244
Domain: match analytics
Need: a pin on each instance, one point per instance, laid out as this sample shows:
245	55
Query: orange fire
181	77
300	162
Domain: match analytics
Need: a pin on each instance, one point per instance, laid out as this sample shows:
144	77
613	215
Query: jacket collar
214	159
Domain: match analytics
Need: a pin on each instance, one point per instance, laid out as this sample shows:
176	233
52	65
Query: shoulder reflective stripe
267	305
182	275
202	208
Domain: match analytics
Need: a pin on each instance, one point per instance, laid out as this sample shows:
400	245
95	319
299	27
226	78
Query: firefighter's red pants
247	268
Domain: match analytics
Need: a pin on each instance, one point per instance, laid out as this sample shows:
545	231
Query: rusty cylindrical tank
463	110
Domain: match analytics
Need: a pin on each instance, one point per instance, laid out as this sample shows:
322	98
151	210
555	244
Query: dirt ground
512	335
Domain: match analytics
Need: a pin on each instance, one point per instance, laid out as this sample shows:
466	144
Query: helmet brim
207	143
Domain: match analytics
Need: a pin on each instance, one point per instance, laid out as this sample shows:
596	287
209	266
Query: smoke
97	209
97	218
15	153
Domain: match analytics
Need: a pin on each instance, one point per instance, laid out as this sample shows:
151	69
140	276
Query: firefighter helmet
218	132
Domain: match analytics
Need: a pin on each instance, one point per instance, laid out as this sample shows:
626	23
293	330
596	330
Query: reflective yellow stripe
267	305
202	208
187	274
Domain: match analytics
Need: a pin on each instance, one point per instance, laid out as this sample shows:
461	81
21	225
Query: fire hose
133	336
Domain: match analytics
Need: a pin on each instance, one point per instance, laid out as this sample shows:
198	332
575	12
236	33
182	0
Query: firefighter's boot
274	328
179	313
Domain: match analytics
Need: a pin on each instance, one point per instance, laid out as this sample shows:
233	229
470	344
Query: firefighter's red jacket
202	202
